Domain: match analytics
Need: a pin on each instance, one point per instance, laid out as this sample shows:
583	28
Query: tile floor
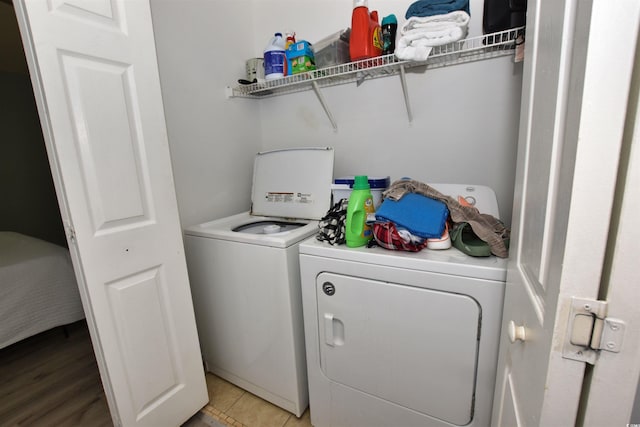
236	407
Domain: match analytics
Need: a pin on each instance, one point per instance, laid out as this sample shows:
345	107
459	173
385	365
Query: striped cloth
332	224
386	235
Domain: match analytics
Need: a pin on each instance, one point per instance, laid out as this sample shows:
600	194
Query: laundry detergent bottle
274	58
389	28
366	36
357	231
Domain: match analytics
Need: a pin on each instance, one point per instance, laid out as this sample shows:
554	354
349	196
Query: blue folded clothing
421	215
423	8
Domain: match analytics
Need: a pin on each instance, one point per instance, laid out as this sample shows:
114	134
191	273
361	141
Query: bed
38	289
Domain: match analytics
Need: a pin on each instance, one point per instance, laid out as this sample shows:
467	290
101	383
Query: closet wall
464	128
465	116
29	203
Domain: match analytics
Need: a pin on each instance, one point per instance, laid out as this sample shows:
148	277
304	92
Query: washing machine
245	277
402	339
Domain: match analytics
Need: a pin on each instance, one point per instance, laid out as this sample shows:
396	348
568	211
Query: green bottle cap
361	182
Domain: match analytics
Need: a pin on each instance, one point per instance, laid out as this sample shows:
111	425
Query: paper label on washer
288	197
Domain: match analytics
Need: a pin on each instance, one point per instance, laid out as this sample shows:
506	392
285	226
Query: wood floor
52	380
37	381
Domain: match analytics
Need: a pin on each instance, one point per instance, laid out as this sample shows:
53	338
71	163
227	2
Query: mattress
38	289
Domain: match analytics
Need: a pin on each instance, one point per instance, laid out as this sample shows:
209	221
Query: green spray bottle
357	231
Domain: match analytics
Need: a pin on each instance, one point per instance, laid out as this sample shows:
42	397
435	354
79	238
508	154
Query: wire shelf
472	49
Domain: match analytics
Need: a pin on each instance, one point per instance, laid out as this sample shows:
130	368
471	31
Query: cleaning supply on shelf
290	38
255	70
366	35
333	50
360	208
300	58
389	27
274	58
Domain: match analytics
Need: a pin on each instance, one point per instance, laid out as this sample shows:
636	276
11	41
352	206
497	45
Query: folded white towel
419	34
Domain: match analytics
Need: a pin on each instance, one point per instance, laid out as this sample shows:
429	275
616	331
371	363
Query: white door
94	71
575	92
613	382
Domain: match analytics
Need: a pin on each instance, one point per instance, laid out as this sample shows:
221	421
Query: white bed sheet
38	289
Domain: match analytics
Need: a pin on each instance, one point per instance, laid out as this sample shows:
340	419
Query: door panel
98	11
541	145
105	117
510	412
415	347
96	82
145	338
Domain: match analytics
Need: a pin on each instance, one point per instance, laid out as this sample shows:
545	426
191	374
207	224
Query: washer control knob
328	288
516	332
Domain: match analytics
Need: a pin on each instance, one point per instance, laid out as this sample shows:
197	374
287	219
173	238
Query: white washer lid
292	183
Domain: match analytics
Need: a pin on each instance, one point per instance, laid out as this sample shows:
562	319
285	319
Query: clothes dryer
245	277
402	339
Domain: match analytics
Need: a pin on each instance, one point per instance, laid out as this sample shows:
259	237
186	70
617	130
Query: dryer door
415	347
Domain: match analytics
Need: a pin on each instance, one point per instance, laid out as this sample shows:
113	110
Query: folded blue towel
421	215
423	8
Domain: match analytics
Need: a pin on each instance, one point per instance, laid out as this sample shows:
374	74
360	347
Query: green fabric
463	238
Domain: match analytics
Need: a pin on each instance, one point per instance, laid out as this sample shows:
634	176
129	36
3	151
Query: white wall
201	47
465	116
464	128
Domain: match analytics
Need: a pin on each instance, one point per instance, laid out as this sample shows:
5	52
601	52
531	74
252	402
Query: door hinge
591	331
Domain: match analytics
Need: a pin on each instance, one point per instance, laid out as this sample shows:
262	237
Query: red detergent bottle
366	35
